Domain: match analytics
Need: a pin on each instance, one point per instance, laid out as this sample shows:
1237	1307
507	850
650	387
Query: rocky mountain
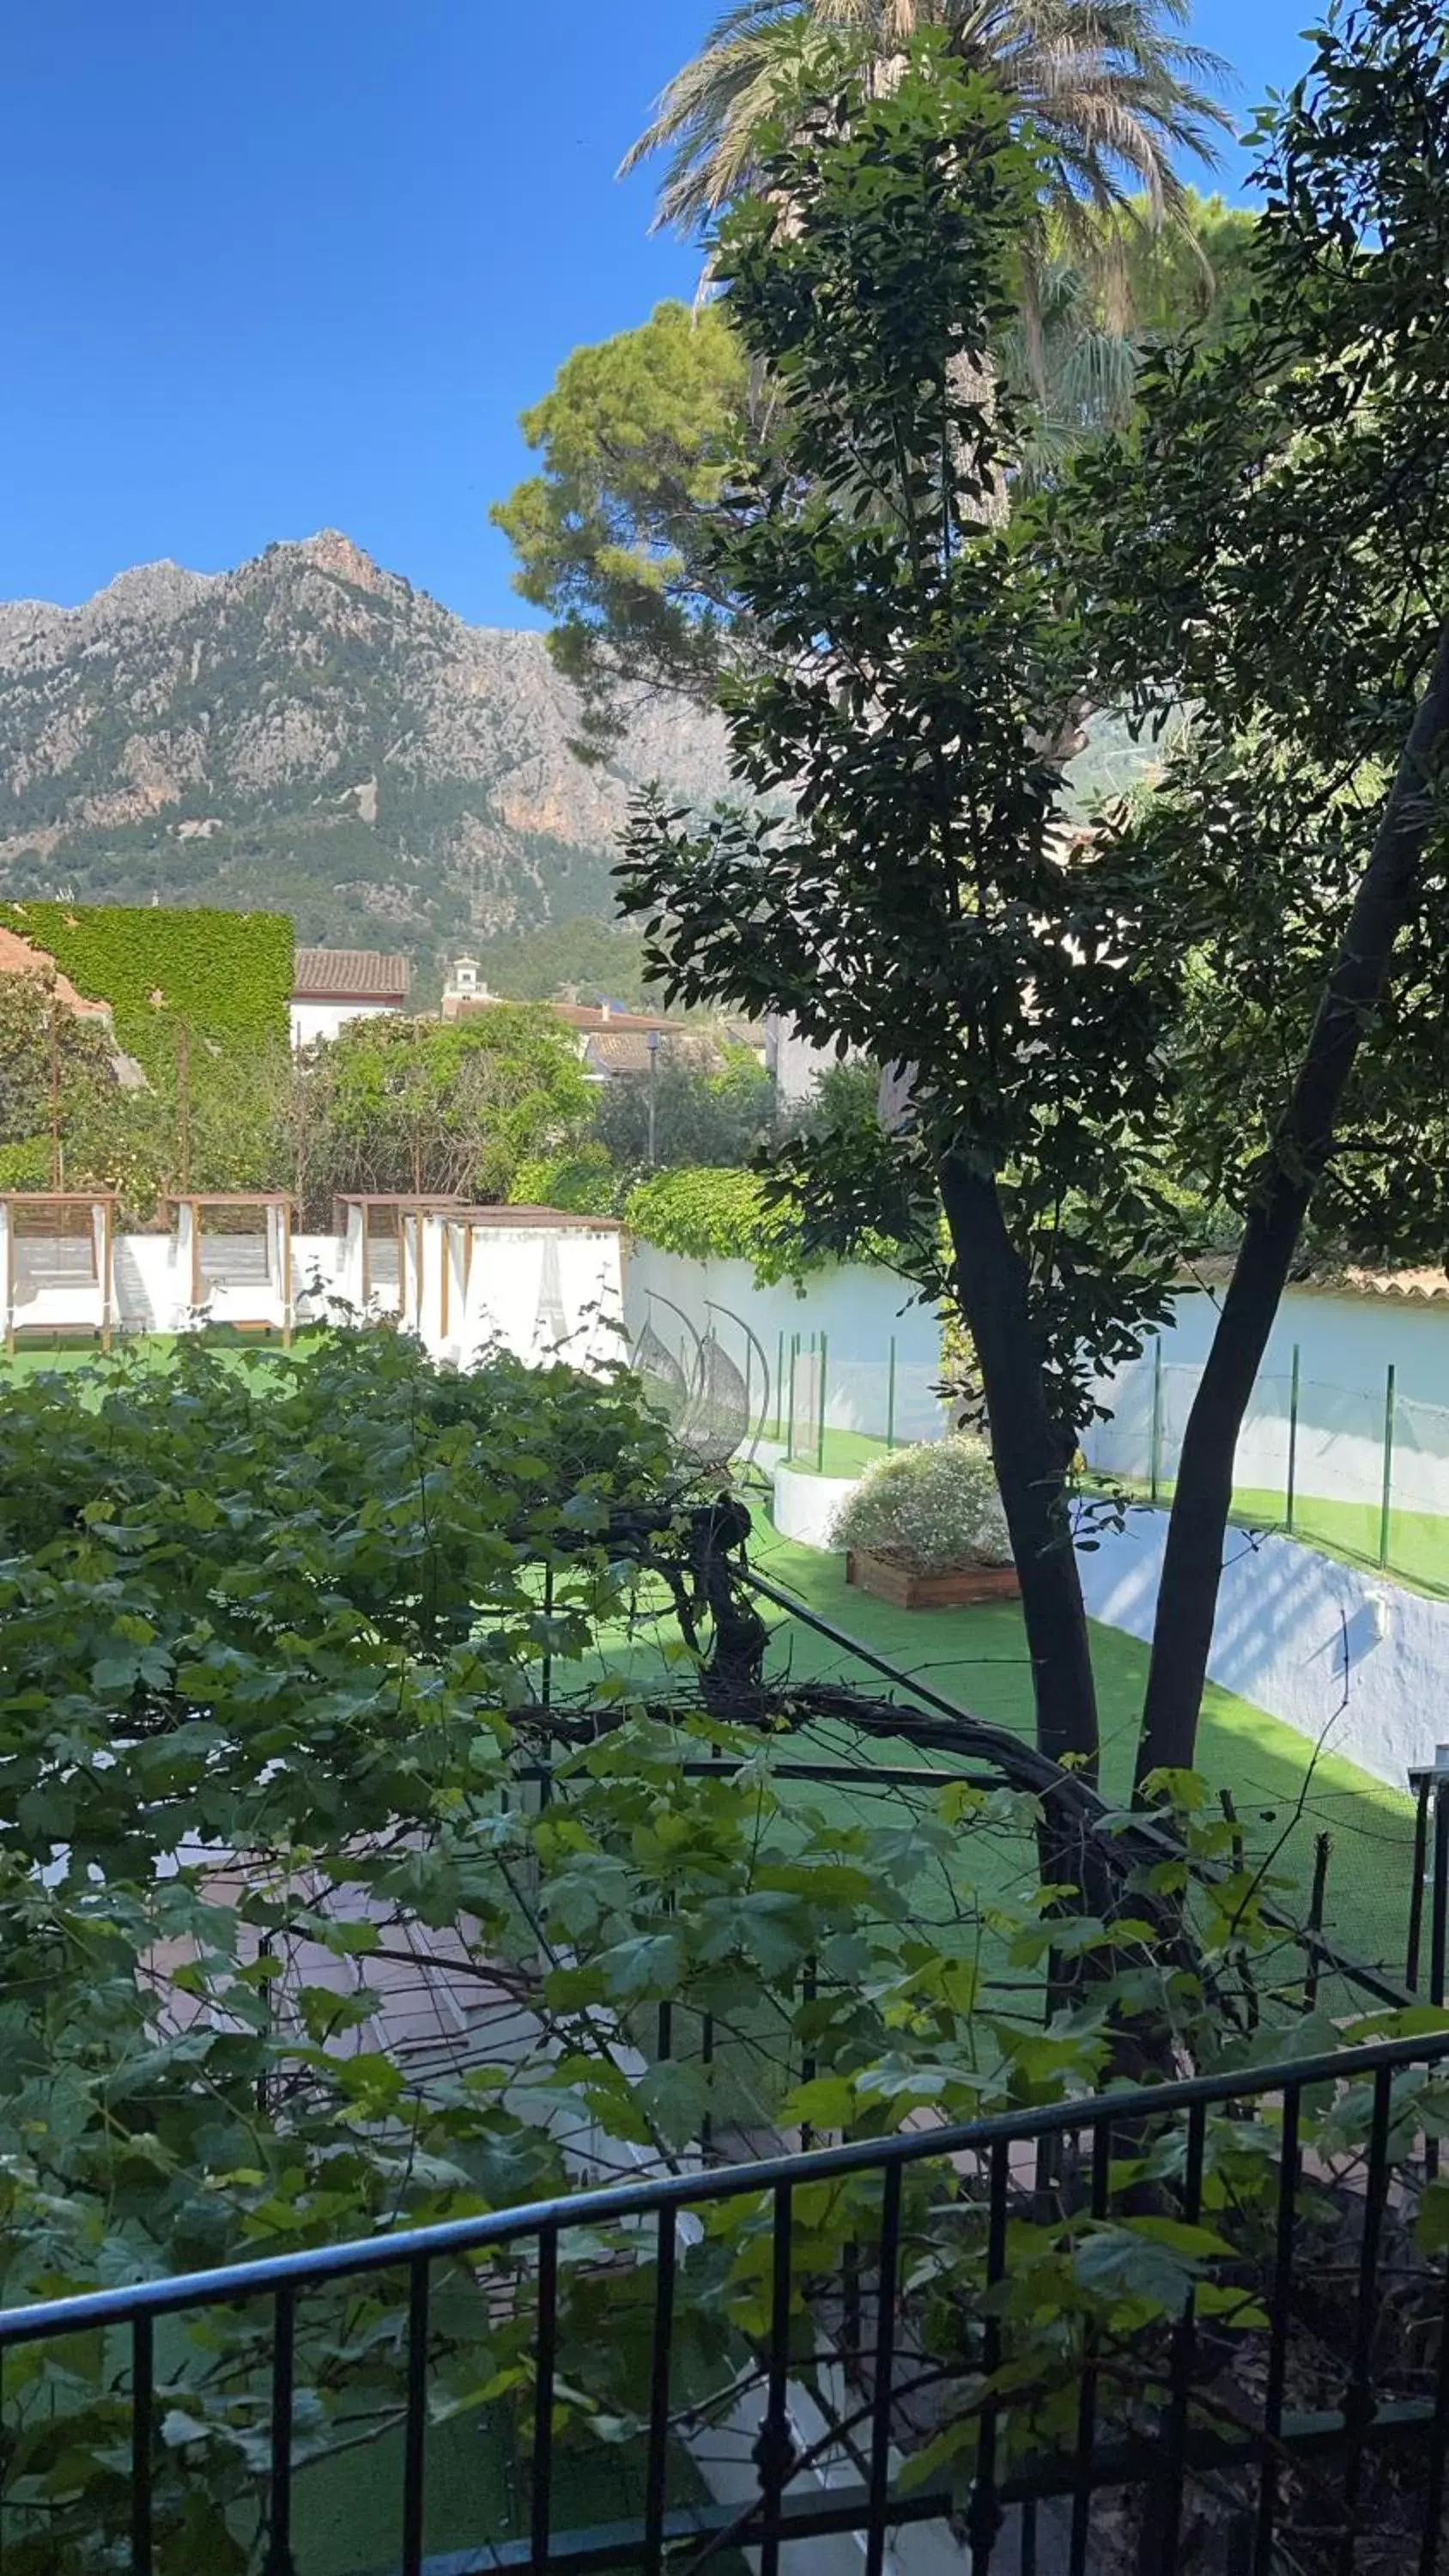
313	734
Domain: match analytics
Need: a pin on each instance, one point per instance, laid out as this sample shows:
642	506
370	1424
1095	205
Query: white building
333	985
796	1062
464	985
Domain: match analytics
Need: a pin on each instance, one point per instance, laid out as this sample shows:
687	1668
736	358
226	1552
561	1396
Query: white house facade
331	986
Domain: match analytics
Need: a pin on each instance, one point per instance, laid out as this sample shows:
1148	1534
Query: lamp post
652	1042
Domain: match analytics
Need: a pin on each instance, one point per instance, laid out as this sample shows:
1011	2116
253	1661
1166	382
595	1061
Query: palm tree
1111	89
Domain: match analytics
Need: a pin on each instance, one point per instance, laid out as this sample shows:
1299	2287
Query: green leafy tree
434	1105
1273	552
46	1048
1112	99
703	1111
1072	353
641	436
636	438
1059	1001
917	904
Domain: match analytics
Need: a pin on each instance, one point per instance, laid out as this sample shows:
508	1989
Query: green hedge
25	1165
228	975
581	1179
708	1213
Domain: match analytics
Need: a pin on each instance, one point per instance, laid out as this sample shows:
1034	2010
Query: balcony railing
1324	2424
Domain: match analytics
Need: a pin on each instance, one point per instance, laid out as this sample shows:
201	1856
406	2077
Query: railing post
706	2059
1292	1442
820	1424
1154	1460
773	2451
1422	1784
790	1421
656	2467
891	1396
541	2504
1439	1890
143	2400
780	1383
1385	1507
415	2431
279	2560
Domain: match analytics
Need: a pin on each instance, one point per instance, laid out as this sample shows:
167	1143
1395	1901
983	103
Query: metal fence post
780	1384
1439	1884
820	1426
1292	1441
790	1418
891	1397
1154	1462
1386	1506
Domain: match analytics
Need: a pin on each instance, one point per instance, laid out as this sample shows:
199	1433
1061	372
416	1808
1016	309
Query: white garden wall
858	1309
535	1288
1346	1345
1346	1340
1346	1657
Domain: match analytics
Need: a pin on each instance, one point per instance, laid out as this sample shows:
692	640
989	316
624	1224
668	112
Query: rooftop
587	1017
349	974
621	1050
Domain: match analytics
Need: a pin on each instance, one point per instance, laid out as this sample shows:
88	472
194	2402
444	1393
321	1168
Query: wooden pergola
497	1219
59	1278
190	1210
358	1208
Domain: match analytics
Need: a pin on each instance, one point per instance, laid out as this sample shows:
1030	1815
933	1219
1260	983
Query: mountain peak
310	734
330	551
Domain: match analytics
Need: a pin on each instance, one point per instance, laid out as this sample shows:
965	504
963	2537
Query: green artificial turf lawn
978	1659
347	2508
1418	1541
43	1357
846	1453
1418	1552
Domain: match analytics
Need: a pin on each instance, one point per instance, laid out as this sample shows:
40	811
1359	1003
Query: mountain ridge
309	731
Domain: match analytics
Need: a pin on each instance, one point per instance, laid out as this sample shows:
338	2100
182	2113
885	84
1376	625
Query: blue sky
274	265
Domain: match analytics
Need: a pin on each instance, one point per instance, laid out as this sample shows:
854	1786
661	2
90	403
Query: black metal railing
1268	2406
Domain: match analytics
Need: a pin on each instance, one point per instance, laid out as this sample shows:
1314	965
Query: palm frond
1115	92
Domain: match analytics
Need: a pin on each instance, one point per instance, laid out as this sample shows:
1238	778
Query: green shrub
226	975
581	1179
714	1213
931	1508
25	1164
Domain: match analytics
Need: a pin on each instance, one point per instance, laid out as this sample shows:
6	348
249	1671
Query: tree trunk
1028	1449
1192	1565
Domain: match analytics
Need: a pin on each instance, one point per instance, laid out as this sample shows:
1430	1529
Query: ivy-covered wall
714	1214
228	975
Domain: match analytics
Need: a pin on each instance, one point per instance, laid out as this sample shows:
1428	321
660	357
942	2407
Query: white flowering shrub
931	1508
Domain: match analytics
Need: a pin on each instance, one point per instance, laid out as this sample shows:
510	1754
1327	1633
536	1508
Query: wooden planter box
968	1584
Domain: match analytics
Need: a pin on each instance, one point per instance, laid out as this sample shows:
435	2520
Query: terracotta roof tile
619	1051
349	974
